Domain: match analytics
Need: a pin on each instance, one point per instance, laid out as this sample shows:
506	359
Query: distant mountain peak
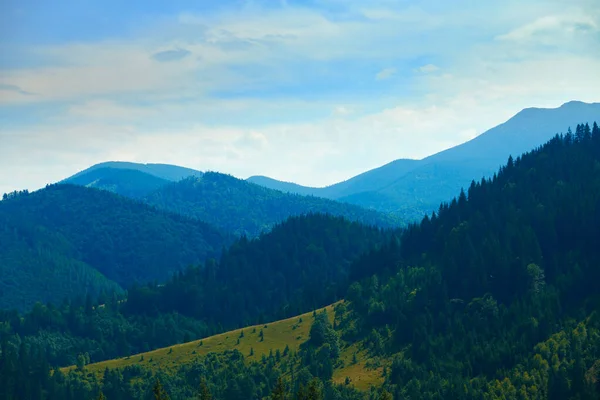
164	171
575	103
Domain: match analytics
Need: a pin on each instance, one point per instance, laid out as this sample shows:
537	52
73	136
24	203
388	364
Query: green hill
167	172
70	240
477	287
38	264
237	206
303	263
126	182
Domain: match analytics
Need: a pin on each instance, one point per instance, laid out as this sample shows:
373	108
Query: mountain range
71	240
411	188
494	297
230	204
405	188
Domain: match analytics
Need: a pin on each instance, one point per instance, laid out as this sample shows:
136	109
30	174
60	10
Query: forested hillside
495	296
243	208
302	264
167	172
500	269
126	182
67	240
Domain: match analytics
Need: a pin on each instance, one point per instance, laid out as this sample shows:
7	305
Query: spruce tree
314	391
204	392
159	392
279	390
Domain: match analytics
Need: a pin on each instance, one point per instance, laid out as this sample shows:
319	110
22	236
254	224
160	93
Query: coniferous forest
494	296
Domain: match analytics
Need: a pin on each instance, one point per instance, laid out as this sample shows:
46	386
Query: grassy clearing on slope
277	335
361	375
291	332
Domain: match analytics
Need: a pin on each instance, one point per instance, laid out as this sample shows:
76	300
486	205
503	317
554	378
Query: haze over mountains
163	171
411	188
406	189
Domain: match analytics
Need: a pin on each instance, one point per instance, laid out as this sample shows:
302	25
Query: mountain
365	182
498	292
126	182
493	297
65	239
287	187
38	264
303	263
163	171
411	188
241	207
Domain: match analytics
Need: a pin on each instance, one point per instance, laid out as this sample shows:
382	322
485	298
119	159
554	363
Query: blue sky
306	91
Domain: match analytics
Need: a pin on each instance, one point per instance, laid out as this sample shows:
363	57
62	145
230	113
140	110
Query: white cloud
216	105
385	73
553	29
429	68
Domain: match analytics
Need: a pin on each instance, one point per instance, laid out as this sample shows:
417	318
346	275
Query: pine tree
385	395
101	396
159	392
279	392
204	393
314	391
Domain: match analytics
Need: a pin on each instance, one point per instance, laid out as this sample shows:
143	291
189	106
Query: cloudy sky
311	91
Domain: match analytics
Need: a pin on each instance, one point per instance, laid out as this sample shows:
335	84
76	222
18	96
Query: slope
164	171
37	264
73	227
472	290
126	182
243	208
256	343
368	181
411	188
277	335
303	263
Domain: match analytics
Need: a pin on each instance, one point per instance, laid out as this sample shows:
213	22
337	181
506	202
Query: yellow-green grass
361	376
291	332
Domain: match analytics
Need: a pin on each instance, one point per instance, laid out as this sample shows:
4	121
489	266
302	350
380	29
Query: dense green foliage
38	264
495	296
243	208
102	332
495	272
302	264
302	375
126	182
69	240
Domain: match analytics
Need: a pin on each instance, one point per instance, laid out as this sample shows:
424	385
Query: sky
311	91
